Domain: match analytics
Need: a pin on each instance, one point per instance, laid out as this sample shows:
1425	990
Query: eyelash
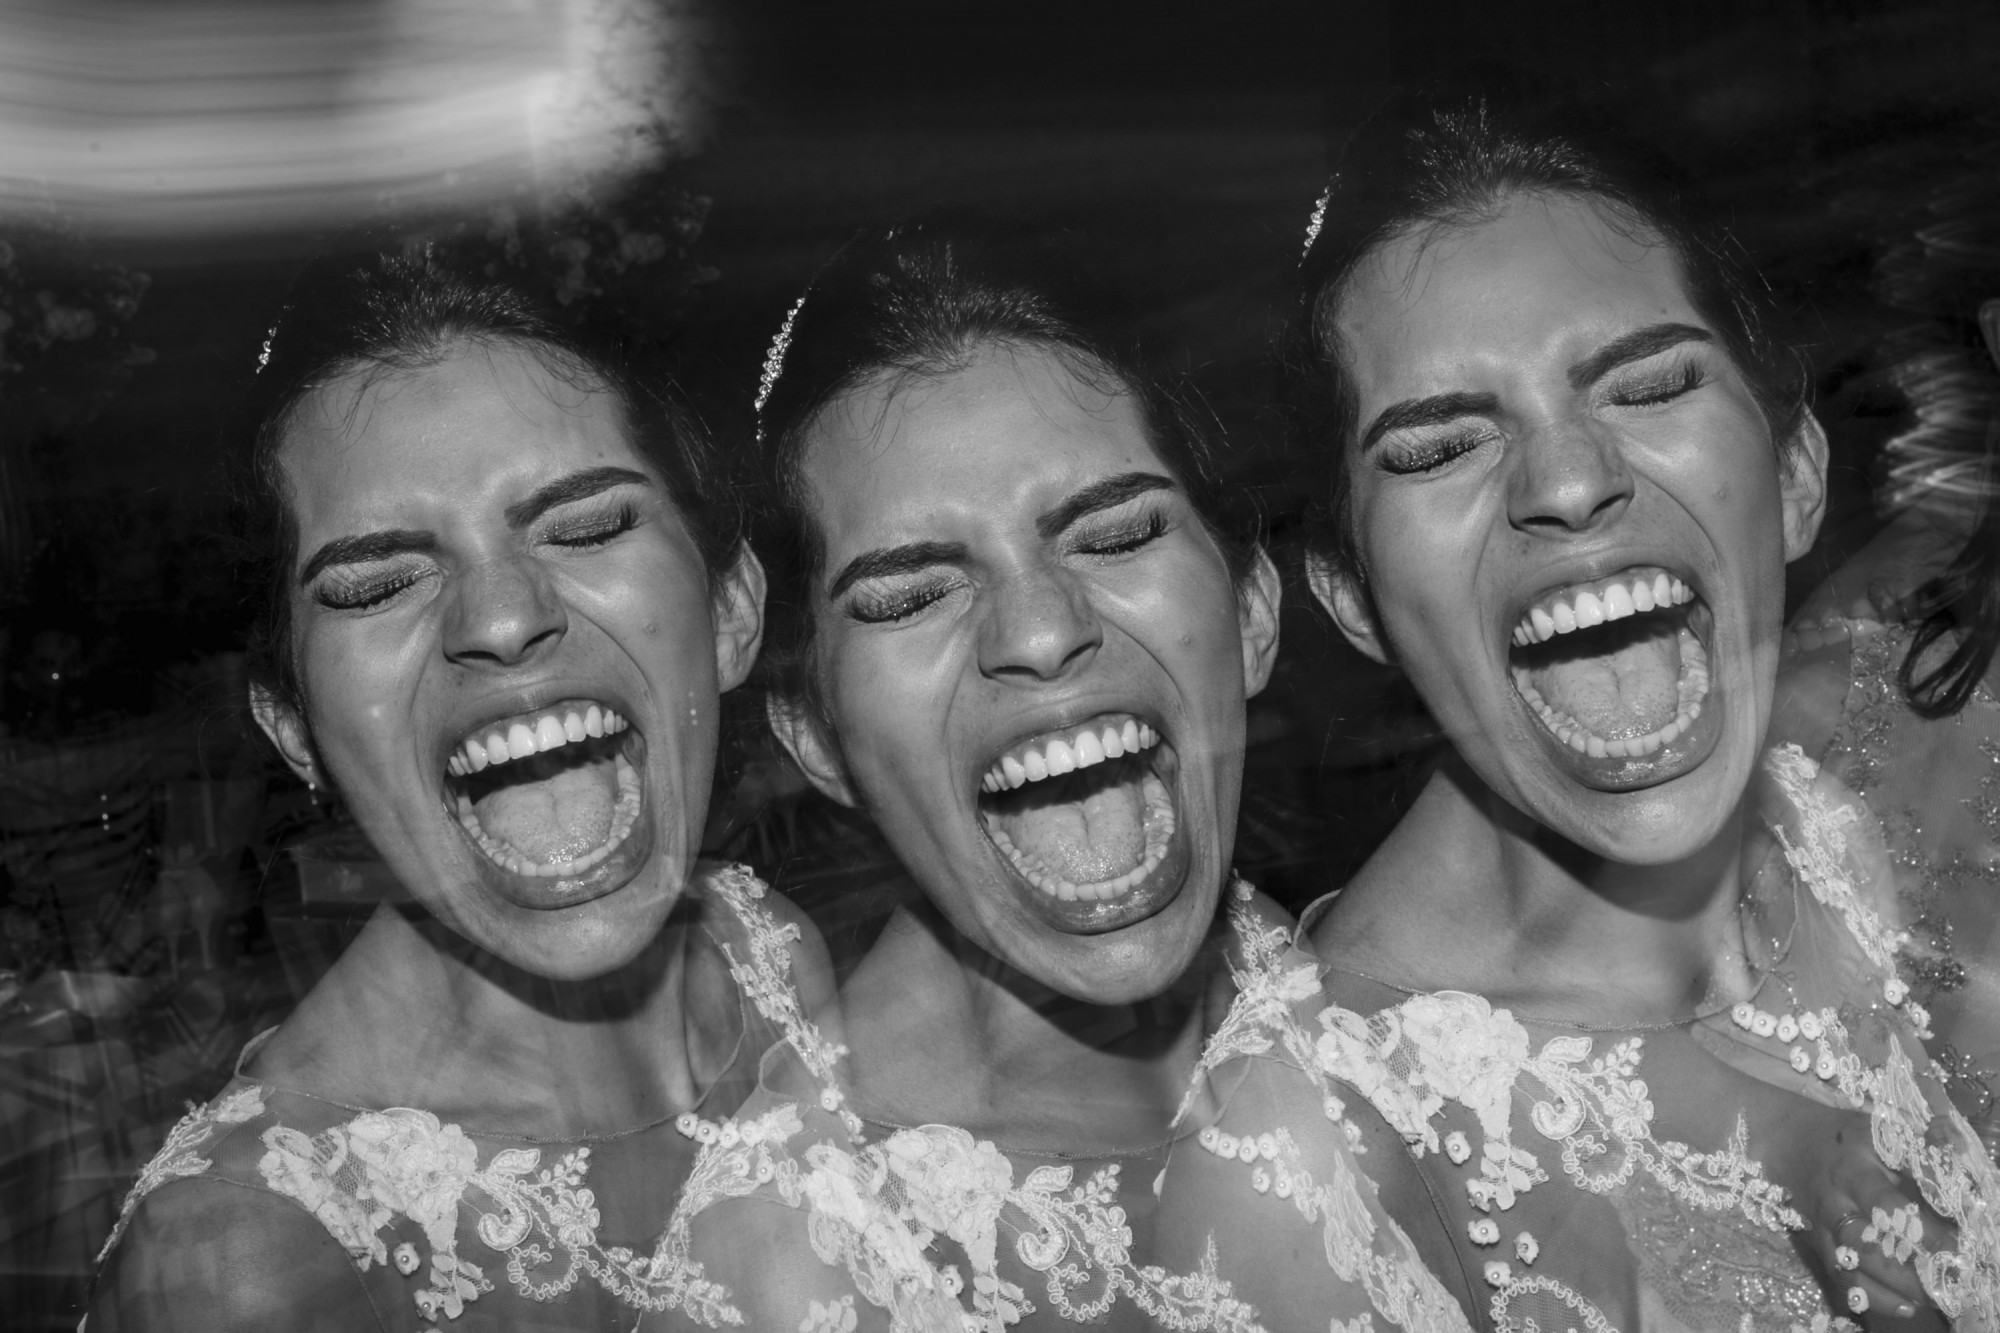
586	534
1430	455
1662	389
582	534
368	595
1125	538
898	606
904	603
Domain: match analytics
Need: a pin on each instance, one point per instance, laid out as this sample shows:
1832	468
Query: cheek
356	696
887	706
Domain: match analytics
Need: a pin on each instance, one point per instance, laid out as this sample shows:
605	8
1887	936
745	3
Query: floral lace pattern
1450	1046
880	1210
1263	1018
1914	1132
765	978
1888	755
358	1178
883	1210
180	1156
364	1177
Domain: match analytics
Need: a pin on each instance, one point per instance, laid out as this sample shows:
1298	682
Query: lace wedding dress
1541	1184
448	1226
837	1223
1935	786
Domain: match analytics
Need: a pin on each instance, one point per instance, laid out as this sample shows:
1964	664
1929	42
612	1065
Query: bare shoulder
208	1253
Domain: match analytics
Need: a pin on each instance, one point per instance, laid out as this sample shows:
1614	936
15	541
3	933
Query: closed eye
1428	454
1652	390
892	605
341	591
586	532
1122	538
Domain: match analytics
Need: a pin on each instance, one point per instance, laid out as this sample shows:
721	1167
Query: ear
739	618
1803	487
1341	593
804	737
1257	600
1989	325
287	730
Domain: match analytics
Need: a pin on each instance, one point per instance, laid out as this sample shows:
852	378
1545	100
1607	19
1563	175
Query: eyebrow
892	560
1634	346
1106	494
399	541
575	486
1432	411
1440	408
367	547
889	561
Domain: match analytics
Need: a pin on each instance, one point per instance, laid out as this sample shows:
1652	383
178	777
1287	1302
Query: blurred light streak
157	117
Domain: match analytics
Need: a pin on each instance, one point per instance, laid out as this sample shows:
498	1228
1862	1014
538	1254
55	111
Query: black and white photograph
956	667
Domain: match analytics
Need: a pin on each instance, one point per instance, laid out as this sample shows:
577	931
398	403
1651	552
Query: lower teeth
1159	827
1690	689
624	817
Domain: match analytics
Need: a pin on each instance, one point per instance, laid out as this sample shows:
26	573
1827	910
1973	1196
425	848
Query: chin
1653	825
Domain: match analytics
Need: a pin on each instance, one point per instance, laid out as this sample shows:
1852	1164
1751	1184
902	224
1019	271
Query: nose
504	613
1041	626
1569	477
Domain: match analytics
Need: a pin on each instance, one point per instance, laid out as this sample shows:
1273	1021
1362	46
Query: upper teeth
532	733
1593	604
1092	743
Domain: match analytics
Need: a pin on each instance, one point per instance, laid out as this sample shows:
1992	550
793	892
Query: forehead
486	421
1547	275
1012	430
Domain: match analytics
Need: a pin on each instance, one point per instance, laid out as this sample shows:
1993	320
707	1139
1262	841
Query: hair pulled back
399	312
1442	159
920	300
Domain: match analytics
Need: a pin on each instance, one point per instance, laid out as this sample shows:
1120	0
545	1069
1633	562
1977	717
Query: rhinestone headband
1317	220
264	353
774	363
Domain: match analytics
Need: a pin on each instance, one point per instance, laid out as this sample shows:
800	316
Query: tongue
1627	688
1084	828
552	811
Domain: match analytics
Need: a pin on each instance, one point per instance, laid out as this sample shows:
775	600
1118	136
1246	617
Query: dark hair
1944	272
388	313
1433	159
919	300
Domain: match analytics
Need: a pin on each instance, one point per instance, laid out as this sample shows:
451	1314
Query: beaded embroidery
1454	1047
1926	1137
1261	1017
1864	744
1450	1046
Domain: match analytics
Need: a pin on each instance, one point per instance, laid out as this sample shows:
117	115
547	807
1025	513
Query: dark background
165	890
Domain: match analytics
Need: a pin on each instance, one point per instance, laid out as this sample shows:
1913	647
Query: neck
455	1030
1468	893
941	1030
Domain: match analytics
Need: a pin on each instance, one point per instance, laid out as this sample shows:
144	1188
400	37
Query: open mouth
550	795
1616	669
1082	814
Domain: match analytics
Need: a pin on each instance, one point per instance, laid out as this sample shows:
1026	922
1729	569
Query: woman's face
1033	663
509	653
1573	521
